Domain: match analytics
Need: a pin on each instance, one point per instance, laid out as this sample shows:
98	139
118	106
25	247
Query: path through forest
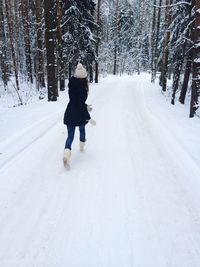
131	199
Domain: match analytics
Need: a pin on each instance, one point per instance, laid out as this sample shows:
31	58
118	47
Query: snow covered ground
130	200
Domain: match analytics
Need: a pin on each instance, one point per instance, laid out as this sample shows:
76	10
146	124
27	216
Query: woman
76	113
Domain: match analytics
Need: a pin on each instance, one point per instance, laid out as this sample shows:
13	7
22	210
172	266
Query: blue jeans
71	131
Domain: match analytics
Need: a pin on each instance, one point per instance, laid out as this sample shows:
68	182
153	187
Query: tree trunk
26	33
153	44
157	36
90	73
39	46
180	55
50	26
188	66
186	79
166	46
194	105
10	35
61	73
3	54
116	38
177	73
97	44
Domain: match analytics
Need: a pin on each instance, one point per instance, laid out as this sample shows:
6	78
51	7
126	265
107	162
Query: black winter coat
76	113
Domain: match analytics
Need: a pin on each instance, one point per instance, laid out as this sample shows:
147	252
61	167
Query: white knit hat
80	71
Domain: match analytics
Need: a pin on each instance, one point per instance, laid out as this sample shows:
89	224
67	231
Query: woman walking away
76	113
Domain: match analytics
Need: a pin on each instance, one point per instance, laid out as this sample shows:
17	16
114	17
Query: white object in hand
92	121
89	108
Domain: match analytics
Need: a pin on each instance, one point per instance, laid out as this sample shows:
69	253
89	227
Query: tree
188	48
26	33
153	44
79	27
116	38
50	38
40	80
4	65
194	104
125	39
164	67
97	43
156	54
60	60
179	43
10	35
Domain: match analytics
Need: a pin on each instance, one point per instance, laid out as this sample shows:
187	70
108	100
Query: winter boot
82	145
66	158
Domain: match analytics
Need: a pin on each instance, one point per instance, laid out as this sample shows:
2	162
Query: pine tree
79	27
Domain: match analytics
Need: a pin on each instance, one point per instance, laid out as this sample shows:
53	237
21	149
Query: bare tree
40	80
26	33
8	8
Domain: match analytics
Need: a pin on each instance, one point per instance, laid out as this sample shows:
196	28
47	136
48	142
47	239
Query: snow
130	199
197	60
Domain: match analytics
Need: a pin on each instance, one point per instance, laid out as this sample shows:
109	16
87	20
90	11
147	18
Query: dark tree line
42	41
176	26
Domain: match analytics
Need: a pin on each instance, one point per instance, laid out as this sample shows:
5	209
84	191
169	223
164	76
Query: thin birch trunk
10	35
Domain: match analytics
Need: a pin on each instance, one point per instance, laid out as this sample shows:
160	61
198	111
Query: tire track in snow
118	211
6	163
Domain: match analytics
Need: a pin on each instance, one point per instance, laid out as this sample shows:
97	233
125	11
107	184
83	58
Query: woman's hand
92	122
89	108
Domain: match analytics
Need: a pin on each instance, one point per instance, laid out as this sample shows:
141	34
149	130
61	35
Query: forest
99	133
42	41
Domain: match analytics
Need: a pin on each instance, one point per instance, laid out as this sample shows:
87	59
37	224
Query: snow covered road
130	200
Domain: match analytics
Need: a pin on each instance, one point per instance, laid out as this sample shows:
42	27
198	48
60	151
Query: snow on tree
79	33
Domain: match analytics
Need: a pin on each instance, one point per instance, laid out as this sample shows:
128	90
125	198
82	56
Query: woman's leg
82	133
70	138
82	137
